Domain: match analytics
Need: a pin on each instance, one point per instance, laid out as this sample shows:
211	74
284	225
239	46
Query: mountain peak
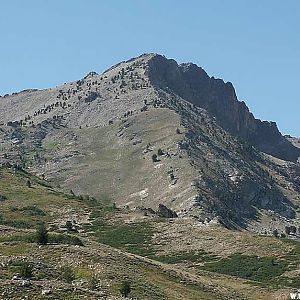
150	131
128	84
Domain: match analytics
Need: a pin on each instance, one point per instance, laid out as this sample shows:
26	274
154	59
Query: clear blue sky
255	44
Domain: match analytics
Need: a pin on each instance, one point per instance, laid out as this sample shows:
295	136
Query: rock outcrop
166	212
192	83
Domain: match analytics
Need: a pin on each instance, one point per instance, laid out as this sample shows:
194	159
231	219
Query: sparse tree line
65	95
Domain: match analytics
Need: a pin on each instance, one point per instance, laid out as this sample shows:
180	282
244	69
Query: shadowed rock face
193	84
166	212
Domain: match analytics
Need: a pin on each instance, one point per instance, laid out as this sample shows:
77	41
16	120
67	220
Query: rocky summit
152	180
192	83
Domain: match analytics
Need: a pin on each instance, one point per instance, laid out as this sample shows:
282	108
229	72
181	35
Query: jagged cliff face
98	136
219	98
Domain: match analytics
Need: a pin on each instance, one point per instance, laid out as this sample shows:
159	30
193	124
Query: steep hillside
148	131
106	245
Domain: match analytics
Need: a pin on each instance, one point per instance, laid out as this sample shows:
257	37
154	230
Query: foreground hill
106	245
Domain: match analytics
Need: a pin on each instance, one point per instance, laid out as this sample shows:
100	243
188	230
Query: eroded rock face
192	83
166	212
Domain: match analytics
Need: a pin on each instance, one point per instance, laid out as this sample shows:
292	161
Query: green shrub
92	282
27	238
65	239
30	210
42	234
26	270
3	198
67	274
179	257
134	238
33	211
69	225
125	289
248	267
15	223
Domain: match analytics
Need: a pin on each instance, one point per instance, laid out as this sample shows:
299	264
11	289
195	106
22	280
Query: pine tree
125	289
42	234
